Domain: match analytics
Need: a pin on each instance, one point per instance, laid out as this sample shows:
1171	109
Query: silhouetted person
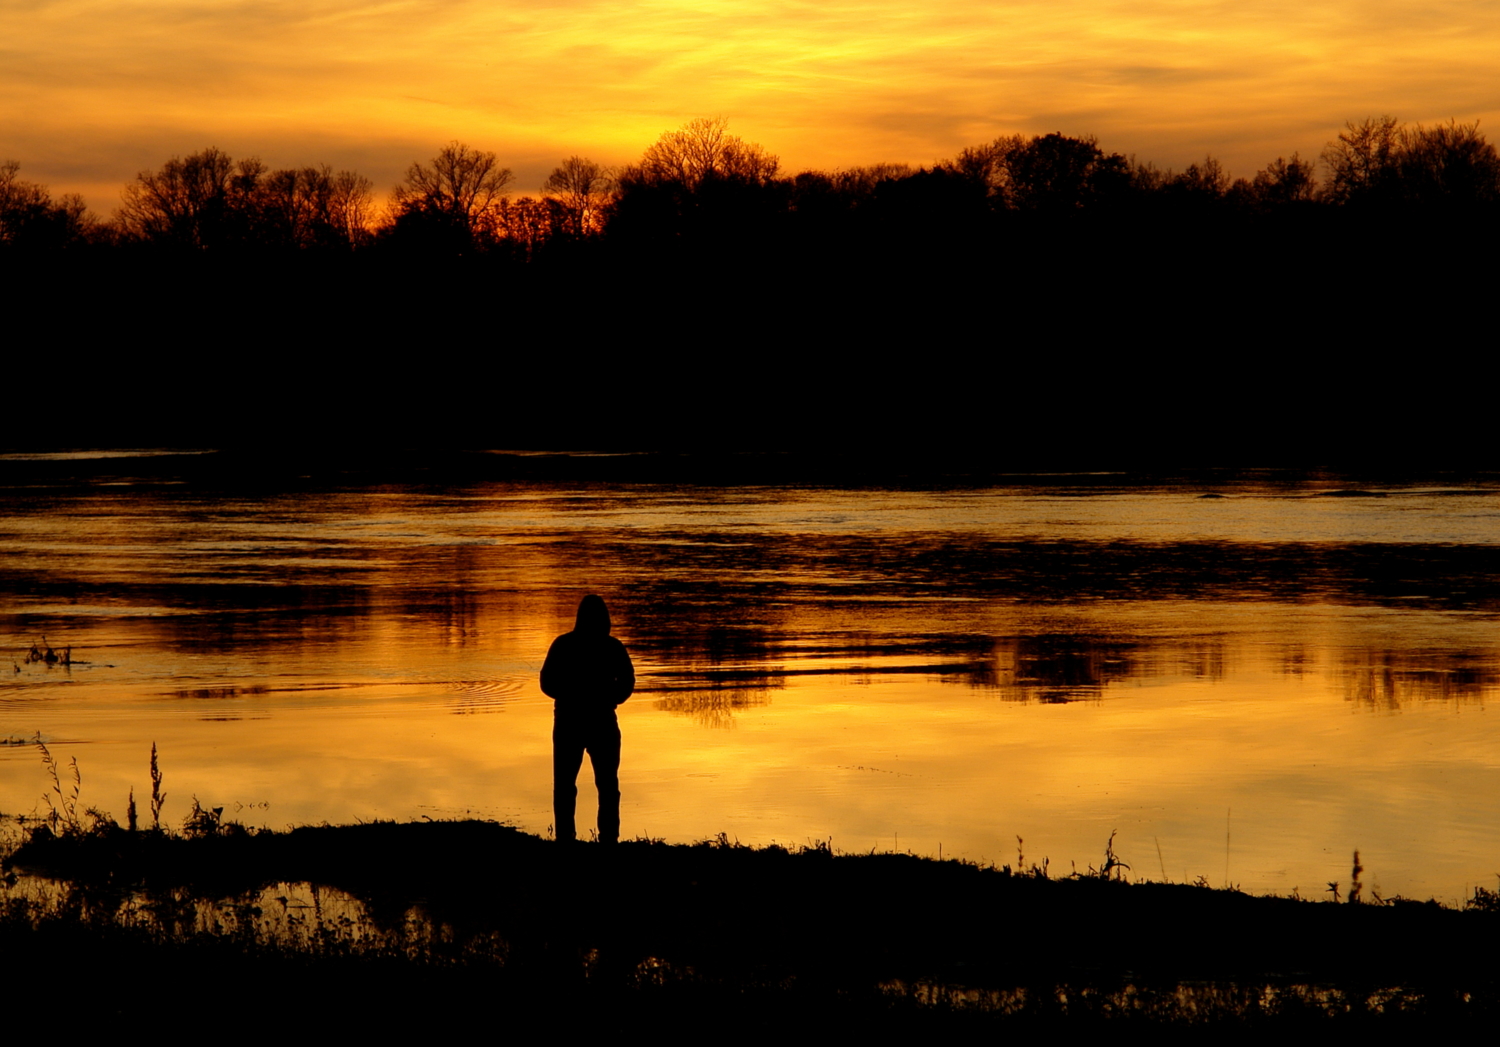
587	674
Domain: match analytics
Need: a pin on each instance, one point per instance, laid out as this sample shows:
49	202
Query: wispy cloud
841	82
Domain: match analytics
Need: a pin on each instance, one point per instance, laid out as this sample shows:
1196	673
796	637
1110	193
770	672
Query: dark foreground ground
472	922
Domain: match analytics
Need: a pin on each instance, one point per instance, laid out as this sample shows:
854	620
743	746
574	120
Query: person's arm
551	671
624	675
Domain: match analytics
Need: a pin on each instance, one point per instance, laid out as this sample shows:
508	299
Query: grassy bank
462	918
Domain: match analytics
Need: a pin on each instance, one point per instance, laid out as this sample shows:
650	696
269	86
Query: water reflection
1391	679
714	707
1021	660
1061	668
296	914
479	696
1047	667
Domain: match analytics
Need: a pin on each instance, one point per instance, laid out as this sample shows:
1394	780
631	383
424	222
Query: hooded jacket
588	670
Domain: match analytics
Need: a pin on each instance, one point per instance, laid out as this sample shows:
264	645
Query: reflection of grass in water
1390	679
476	913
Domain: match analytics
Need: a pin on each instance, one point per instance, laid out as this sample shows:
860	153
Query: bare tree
1056	172
1450	163
313	207
1285	181
1206	180
1146	177
288	205
351	207
580	190
461	190
29	215
990	165
861	182
209	200
21	202
1380	161
529	224
700	151
199	201
1045	172
1362	160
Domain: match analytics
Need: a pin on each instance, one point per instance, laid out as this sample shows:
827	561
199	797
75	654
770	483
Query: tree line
702	185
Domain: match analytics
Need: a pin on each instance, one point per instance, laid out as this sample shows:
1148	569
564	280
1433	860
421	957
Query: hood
593	616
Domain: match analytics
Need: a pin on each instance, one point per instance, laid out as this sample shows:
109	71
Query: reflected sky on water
1304	669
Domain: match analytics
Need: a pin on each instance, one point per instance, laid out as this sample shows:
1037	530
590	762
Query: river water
1244	681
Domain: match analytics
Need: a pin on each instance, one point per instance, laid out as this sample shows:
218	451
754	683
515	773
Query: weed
1112	863
157	796
43	652
1484	900
1354	885
1040	872
64	812
63	818
100	822
200	822
1333	889
1108	869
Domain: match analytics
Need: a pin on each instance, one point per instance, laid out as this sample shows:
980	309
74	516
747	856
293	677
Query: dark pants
599	736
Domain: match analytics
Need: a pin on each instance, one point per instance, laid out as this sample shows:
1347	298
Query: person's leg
604	754
567	758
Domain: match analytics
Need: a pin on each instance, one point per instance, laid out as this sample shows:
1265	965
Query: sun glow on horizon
97	90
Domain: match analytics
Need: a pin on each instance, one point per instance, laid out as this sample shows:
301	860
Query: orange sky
95	90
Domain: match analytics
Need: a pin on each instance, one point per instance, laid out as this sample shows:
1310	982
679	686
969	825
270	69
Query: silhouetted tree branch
579	191
30	219
453	201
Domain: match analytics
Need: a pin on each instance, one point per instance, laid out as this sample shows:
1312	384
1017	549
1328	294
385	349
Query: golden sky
95	90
